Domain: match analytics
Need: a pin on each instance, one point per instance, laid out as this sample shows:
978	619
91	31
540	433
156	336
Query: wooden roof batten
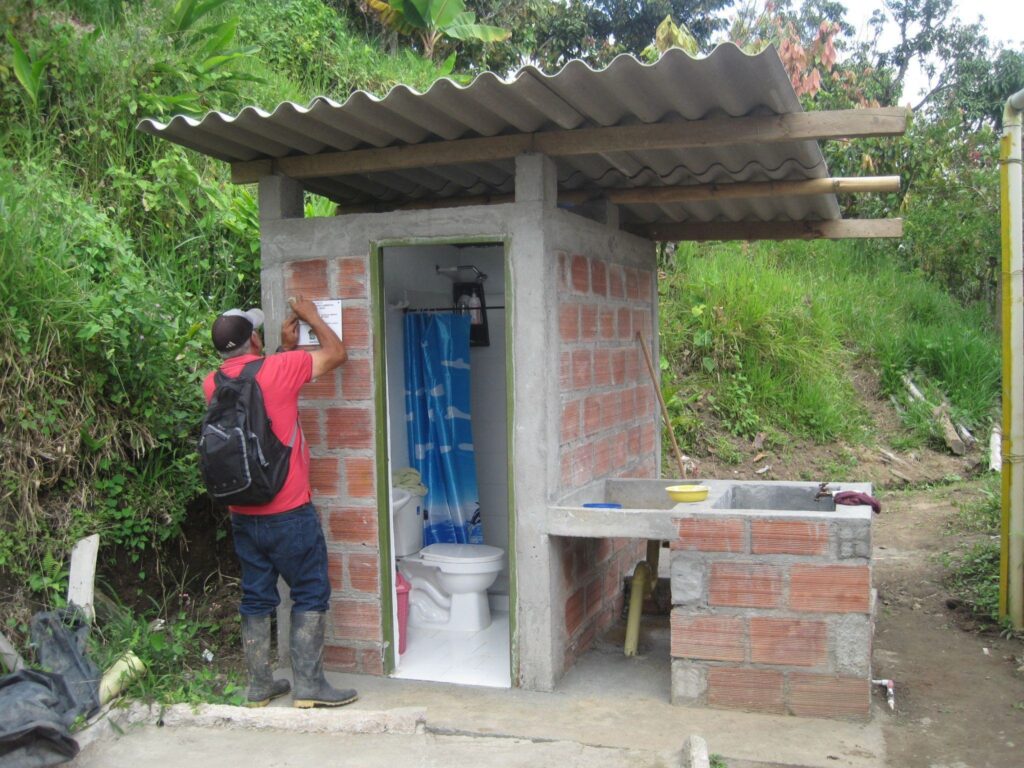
713	132
694	134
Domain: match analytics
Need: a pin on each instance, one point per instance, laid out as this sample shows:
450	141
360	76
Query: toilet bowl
449	585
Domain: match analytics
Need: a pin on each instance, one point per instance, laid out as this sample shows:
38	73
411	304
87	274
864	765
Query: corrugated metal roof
676	88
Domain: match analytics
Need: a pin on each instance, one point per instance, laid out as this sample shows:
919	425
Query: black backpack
241	459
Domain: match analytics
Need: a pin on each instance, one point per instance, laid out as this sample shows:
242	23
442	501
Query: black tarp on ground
38	708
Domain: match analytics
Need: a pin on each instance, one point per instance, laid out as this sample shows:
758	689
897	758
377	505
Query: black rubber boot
256	644
311	688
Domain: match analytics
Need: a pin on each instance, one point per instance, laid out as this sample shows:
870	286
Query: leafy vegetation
117	250
768	334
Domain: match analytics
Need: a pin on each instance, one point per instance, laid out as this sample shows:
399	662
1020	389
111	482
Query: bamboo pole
661	402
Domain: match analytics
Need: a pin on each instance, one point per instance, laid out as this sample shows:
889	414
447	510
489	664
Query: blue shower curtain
439	429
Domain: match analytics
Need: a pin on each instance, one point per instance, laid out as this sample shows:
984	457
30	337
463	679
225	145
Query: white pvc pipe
1013	370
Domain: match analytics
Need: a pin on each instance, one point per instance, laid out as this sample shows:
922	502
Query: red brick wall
608	426
773	614
337	414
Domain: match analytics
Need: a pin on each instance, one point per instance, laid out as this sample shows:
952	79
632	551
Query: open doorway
446	361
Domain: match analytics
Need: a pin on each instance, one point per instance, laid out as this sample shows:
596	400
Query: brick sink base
772	611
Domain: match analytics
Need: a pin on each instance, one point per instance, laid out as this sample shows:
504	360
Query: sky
1003	21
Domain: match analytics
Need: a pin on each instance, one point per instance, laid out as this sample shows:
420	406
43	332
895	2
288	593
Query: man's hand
290	333
303	308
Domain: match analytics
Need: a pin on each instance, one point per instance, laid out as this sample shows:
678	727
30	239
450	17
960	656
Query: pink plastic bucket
402	587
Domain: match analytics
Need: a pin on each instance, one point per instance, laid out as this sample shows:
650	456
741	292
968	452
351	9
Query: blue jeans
290	545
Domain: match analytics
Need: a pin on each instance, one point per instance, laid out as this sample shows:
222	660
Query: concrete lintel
280	198
536	180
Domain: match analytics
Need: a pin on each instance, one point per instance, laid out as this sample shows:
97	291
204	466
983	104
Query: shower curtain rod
460	310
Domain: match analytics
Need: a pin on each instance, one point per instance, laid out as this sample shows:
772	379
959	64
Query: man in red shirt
283	537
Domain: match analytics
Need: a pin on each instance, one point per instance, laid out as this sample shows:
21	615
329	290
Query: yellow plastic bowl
687	492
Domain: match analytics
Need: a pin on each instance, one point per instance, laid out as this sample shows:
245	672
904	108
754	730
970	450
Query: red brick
598	278
645	281
359	477
602	367
588	322
349	428
755	689
627	405
830	588
323	388
582	369
613	584
592	597
310	421
356	327
616	283
574	612
570	421
716	638
363	571
580	274
618	367
602	550
563	269
324	474
745	585
307	279
788	537
632	284
353	525
591	415
610	409
625	323
708	535
648	437
634	441
582	465
336	571
569	322
371	662
357	380
632	365
621	457
565	470
340	658
352	278
565	371
603	452
606	323
642	323
788	642
354	620
828	696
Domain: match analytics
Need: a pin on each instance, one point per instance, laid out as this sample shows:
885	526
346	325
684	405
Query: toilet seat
461	553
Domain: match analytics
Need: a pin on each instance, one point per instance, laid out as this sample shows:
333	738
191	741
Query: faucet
823	492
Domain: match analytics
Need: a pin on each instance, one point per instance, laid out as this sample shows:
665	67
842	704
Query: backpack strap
249	371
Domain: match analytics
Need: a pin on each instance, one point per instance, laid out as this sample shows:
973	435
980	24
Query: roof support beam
714	132
665	195
748	189
833	229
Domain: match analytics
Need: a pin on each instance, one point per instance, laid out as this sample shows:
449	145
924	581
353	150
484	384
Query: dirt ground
959	691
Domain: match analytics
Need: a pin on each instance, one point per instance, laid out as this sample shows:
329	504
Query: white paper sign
330	312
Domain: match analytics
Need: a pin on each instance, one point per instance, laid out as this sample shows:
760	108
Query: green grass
772	332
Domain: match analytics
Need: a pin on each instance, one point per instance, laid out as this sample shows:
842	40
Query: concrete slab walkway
588	721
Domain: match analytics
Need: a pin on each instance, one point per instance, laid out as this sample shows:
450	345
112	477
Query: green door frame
378	310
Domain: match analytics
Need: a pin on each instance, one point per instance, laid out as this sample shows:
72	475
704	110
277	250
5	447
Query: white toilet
449	581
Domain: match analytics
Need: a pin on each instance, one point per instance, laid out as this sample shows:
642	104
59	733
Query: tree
433	20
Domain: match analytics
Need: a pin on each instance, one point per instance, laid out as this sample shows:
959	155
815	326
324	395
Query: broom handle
661	401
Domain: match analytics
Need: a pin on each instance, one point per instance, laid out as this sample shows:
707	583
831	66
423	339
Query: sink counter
648	513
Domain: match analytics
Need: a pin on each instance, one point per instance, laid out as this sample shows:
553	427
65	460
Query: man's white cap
234	327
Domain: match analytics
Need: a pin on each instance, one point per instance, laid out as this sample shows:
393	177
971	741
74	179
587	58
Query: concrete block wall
337	415
772	612
608	425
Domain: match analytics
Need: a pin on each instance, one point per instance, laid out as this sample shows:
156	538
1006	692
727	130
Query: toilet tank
407	519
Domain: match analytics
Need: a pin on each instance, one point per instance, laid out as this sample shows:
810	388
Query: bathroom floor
465	658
